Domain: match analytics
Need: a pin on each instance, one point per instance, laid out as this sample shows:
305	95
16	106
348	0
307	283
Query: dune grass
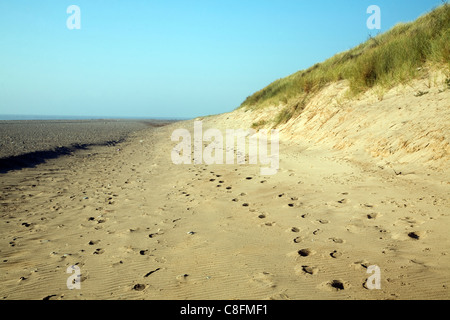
386	60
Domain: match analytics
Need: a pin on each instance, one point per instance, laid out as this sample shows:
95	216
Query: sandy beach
140	227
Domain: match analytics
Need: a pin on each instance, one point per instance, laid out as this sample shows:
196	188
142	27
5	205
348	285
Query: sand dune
348	195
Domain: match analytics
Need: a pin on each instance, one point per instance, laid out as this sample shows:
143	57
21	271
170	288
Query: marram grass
386	60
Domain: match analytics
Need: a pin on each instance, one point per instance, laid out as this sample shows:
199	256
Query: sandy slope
140	227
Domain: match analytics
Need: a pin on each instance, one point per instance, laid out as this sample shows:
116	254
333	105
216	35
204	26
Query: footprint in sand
298	240
306	252
336	254
372	216
310	270
98	251
339	285
337	240
417	235
139	287
264	279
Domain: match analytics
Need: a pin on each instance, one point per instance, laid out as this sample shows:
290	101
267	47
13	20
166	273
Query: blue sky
144	58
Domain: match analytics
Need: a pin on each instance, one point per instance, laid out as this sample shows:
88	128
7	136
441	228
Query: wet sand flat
27	143
19	137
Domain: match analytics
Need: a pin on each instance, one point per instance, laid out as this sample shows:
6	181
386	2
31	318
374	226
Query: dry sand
140	227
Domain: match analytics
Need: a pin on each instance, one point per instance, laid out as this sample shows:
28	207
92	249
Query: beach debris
98	251
151	272
298	239
191	232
